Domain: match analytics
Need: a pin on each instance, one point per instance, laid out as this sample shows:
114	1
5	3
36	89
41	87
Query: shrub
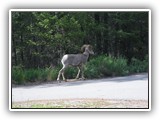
52	74
32	74
20	76
70	72
98	67
137	66
17	75
106	66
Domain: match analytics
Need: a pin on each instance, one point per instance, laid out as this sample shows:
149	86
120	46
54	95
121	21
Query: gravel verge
82	103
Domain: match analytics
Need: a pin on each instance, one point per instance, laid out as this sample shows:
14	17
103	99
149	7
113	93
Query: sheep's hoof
82	78
59	81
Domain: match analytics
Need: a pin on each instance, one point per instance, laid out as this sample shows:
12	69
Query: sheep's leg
61	72
63	76
82	69
79	70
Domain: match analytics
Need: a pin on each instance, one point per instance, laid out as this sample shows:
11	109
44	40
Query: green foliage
138	66
106	66
71	72
100	66
40	37
52	73
21	76
17	75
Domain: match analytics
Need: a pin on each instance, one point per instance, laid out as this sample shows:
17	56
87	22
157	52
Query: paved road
134	87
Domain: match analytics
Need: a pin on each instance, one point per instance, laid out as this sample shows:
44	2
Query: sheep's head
87	48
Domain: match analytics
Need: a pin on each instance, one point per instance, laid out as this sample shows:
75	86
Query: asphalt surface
133	87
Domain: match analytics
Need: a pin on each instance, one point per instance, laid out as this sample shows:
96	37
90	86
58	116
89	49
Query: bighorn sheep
76	60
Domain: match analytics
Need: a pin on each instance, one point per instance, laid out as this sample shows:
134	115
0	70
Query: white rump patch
65	57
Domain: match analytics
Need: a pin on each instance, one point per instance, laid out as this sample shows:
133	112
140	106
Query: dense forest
40	39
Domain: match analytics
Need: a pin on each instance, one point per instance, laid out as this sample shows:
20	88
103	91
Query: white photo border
81	10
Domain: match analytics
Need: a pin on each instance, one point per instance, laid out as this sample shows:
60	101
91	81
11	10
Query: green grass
18	76
138	66
106	66
21	76
98	67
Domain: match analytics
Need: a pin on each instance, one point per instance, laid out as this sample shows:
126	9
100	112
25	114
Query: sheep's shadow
72	82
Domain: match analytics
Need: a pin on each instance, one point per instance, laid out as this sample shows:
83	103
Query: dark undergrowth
101	66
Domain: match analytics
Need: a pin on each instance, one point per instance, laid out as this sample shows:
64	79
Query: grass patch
100	66
138	66
21	76
106	66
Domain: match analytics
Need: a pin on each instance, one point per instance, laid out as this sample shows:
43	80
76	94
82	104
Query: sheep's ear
83	47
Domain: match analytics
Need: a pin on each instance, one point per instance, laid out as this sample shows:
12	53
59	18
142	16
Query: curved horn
90	47
83	47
